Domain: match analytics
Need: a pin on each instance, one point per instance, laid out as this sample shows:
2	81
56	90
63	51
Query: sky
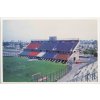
27	30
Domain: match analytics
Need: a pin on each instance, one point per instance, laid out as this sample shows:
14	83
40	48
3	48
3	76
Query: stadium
49	61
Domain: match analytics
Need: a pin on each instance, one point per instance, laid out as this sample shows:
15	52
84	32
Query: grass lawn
17	69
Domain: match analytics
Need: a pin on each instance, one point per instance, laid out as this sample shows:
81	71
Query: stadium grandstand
58	51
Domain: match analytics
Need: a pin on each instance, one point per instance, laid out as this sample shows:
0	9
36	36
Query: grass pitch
17	69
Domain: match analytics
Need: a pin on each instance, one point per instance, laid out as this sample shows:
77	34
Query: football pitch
16	69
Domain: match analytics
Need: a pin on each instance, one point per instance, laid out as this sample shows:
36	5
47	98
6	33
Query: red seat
62	56
33	53
33	45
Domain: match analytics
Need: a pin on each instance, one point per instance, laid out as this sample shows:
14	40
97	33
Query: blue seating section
24	53
66	46
47	45
49	55
63	45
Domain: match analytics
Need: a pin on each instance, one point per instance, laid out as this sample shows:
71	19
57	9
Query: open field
17	69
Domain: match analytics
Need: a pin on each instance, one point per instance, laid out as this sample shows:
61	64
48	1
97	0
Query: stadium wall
75	53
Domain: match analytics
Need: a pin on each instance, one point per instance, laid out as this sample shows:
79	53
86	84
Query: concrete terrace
75	68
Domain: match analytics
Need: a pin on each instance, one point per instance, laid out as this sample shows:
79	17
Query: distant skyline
27	30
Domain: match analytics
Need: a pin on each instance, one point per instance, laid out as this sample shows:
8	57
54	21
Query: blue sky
27	30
